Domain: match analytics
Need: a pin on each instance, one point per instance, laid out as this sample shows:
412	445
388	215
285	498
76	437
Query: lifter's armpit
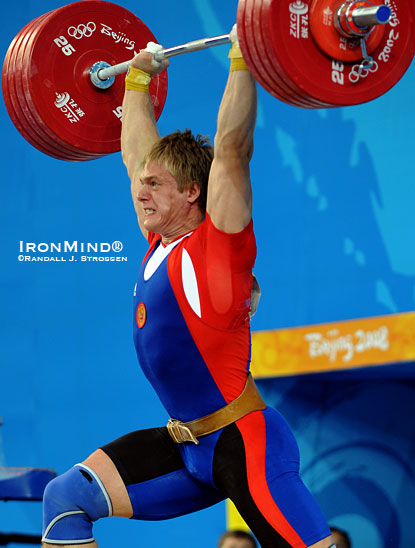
103	466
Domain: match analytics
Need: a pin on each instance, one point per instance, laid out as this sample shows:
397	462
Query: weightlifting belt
249	400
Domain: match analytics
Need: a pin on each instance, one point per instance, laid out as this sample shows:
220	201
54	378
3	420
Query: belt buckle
180	432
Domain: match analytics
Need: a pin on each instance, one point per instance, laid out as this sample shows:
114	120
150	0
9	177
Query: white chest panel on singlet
158	257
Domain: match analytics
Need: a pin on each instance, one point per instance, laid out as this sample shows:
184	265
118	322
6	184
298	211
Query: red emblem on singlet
141	315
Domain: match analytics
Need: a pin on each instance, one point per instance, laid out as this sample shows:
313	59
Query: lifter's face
164	207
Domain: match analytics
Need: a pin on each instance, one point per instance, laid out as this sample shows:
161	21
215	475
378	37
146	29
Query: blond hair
187	157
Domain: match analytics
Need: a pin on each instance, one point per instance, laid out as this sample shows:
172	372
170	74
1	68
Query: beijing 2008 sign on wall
334	346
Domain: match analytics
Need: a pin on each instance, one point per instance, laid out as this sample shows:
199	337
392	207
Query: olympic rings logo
360	71
82	30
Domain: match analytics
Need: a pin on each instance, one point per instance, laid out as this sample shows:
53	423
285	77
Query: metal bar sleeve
366	17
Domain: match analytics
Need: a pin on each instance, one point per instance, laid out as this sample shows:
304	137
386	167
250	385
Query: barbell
62	93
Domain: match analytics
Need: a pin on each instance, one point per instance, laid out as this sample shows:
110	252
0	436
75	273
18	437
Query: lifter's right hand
146	62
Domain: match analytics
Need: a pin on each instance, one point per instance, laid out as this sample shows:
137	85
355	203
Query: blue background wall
334	195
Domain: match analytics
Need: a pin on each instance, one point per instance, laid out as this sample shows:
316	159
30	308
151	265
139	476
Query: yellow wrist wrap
238	64
137	80
237	61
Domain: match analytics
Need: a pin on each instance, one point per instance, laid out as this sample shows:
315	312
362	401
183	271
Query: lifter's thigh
256	464
155	482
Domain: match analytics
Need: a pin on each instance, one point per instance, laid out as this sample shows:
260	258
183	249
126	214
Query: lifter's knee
71	503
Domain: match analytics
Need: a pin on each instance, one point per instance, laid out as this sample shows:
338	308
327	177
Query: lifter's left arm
229	202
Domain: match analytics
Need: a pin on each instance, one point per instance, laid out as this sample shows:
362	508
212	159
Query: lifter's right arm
139	131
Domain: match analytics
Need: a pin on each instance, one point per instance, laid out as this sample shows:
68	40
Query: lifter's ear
193	192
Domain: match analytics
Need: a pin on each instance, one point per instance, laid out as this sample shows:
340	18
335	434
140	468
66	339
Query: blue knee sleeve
71	503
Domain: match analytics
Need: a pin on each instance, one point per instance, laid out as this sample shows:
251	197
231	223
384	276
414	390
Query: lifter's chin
151	224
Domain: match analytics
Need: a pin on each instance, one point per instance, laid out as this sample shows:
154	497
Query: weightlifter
191	330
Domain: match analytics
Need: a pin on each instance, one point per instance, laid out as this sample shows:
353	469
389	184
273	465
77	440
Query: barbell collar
101	75
93	74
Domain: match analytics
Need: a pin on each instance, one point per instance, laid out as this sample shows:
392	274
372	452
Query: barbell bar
101	75
364	18
306	53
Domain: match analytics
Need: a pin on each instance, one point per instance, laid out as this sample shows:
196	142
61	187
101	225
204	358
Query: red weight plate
277	70
253	25
71	40
17	114
38	126
332	81
16	117
262	59
16	67
331	41
259	69
67	151
249	50
50	146
246	50
37	120
262	29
